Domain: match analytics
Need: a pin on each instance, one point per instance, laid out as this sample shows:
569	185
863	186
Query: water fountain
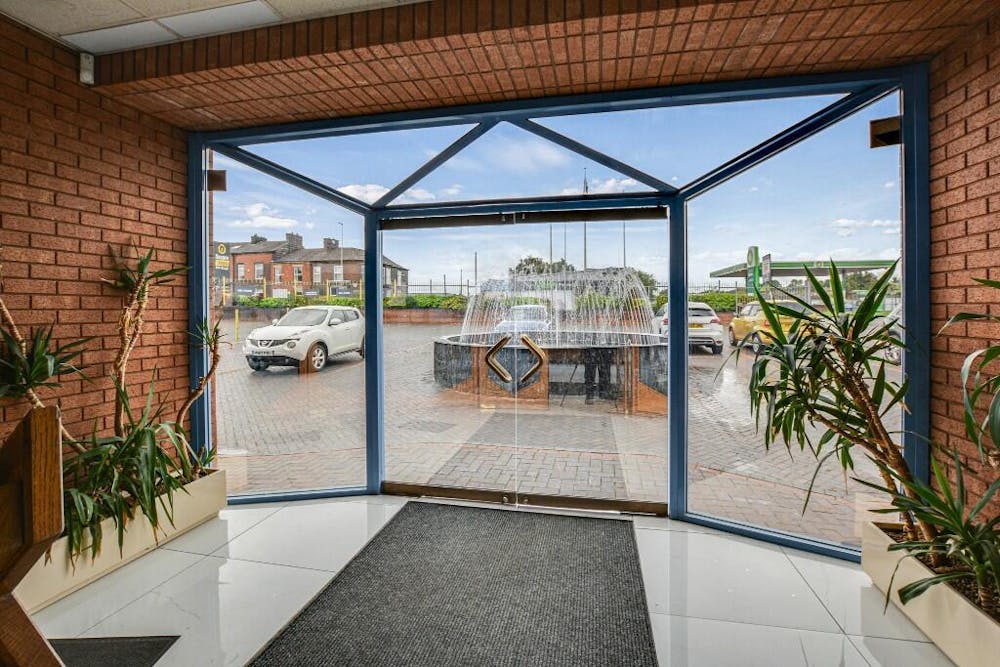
595	330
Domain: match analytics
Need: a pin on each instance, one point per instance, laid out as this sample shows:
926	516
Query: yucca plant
981	384
968	546
133	277
35	362
121	474
824	367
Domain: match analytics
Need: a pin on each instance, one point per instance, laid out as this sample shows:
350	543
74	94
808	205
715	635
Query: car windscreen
305	317
520	314
700	312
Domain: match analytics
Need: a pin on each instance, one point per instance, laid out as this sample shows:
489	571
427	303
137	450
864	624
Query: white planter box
50	581
963	632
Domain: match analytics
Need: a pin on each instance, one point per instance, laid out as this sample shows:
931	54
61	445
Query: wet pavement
280	431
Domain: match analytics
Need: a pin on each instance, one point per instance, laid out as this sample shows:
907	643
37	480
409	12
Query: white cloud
372	192
452	190
528	155
849	226
606	186
368	192
889	184
417	194
260	216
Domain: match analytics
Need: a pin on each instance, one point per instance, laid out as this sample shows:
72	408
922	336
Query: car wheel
316	358
732	337
361	350
257	365
717	349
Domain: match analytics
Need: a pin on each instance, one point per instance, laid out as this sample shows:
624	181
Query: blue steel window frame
861	89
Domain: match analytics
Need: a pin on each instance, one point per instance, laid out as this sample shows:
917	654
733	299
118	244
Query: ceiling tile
58	17
301	9
156	8
222	19
121	38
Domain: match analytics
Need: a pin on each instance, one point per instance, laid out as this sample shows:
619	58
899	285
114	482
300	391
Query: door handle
493	363
540	358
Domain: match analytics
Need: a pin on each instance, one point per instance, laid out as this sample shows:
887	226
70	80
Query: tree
537	265
647	279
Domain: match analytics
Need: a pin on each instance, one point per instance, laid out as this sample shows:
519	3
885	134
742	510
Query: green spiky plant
969	543
824	367
120	475
981	385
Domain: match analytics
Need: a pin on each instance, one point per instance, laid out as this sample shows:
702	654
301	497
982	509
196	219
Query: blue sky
830	196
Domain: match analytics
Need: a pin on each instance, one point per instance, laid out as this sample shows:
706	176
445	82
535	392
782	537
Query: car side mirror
334	323
274	321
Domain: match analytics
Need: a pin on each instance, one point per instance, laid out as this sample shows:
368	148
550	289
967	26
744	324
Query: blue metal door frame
859	89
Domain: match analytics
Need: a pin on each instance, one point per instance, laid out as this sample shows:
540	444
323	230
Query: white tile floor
228	586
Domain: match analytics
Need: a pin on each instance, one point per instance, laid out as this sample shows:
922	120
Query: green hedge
720	302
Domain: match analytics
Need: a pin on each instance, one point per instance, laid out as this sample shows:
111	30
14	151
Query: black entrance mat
448	585
117	651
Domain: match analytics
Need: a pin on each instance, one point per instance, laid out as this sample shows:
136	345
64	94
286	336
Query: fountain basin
629	369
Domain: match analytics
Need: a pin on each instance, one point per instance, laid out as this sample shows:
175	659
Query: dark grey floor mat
117	651
448	585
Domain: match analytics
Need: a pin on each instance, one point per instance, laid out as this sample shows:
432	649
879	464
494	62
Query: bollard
237	336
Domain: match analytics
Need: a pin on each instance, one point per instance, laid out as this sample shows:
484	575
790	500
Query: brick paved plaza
280	431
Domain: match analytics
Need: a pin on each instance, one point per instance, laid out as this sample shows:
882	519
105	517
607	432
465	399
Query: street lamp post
341	244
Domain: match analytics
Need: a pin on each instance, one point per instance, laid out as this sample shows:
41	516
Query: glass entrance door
525	363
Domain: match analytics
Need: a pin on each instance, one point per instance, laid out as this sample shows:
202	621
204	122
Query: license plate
697	326
264	353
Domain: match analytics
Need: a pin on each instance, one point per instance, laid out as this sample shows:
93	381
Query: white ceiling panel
222	19
106	26
60	17
155	8
121	38
304	9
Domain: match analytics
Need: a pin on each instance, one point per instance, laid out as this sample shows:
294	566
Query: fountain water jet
588	322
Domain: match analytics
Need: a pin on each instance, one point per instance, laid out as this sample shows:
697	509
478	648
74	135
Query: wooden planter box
50	581
957	626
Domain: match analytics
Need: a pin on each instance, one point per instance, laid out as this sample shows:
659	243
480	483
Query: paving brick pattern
279	430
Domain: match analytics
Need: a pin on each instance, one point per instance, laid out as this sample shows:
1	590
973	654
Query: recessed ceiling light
221	19
121	37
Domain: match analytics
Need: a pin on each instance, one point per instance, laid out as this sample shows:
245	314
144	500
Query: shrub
720	302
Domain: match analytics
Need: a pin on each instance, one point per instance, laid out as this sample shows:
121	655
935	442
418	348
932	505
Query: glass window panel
829	197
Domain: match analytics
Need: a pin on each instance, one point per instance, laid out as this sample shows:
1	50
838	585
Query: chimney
331	244
257	238
294	241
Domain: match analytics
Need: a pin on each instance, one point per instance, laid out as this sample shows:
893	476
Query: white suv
309	334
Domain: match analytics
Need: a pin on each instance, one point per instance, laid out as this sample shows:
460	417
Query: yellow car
750	321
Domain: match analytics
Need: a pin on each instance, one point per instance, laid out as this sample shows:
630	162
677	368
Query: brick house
312	269
254	261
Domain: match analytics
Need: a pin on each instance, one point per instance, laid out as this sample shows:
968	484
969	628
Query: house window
258	271
297	273
317	275
241	272
338	272
277	273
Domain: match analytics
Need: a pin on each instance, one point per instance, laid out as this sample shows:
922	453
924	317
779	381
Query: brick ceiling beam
451	52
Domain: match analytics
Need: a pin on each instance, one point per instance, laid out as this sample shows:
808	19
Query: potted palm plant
823	366
144	483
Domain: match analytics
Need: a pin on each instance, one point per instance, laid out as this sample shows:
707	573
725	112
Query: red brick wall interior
79	171
965	222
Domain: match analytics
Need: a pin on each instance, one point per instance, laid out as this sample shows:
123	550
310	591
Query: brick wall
79	171
965	221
